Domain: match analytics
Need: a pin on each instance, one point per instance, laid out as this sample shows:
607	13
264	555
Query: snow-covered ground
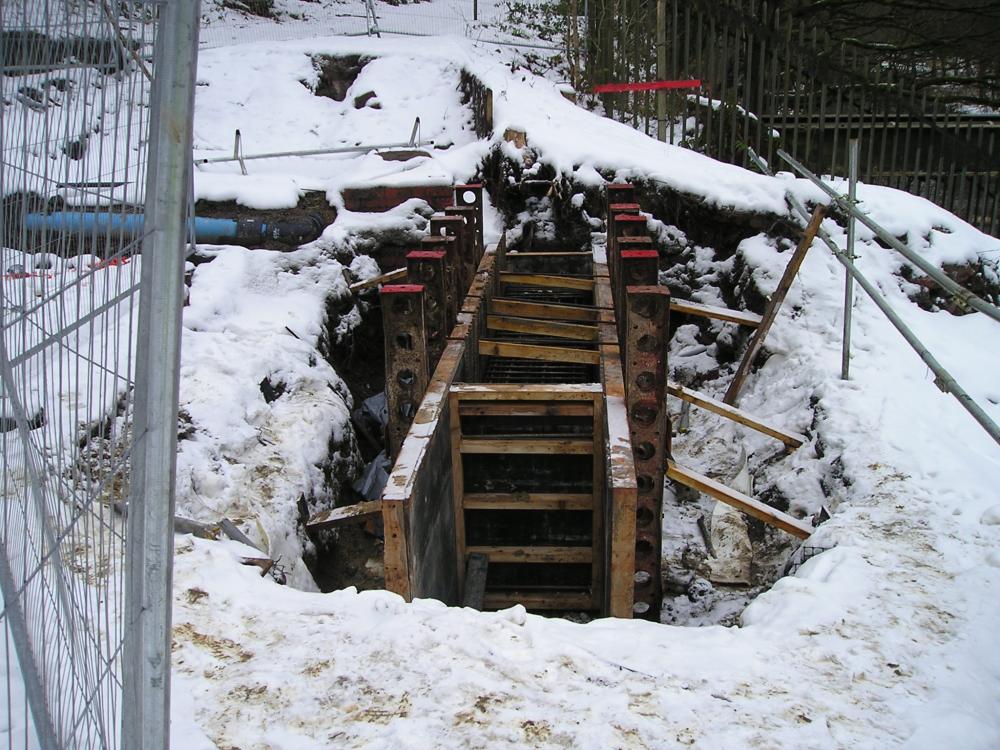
884	640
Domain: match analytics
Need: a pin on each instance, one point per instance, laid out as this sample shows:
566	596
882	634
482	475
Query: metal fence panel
77	78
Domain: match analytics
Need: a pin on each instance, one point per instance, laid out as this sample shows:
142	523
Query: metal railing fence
771	81
78	81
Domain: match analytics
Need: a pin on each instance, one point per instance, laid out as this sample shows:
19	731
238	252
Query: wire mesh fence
77	79
522	23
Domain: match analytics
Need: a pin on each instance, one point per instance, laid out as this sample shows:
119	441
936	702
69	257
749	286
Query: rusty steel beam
639	267
471	195
406	371
620	192
427	267
468	215
454	226
647	311
452	272
611	244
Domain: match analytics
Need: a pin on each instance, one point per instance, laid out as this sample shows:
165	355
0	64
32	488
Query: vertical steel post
406	371
150	541
647	310
427	267
454	227
471	195
452	271
854	151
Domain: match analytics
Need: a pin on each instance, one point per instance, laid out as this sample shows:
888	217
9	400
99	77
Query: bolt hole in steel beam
644	450
406	378
645	381
404	341
645	412
647	344
643	547
644	516
644	307
402	305
407	409
644	484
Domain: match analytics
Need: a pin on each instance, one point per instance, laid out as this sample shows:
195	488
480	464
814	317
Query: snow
884	640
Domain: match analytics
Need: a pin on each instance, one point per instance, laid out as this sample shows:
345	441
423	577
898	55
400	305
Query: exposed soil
351	556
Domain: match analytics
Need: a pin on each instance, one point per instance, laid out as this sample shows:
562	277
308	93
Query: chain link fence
78	106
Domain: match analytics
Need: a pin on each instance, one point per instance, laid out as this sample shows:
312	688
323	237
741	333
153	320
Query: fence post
150	536
853	152
661	69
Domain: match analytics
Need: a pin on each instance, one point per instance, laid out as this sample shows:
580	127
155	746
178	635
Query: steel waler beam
648	314
406	371
427	267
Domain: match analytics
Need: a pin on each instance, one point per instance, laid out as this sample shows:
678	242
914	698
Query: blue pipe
207	230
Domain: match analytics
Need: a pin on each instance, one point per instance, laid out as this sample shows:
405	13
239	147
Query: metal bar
32	664
150	540
942	378
312	152
661	69
647	312
852	195
960	293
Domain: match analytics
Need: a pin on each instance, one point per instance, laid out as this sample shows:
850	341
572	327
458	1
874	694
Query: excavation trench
544	556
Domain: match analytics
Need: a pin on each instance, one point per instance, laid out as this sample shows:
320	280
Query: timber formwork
528	422
518	465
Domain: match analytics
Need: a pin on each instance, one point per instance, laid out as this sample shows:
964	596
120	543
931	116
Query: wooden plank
546	280
545	600
517	392
528	445
597	447
535	351
357	513
563	555
740	501
544	309
475	581
791	439
396	553
386	278
528	501
457	485
541	327
771	311
525	409
743	317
